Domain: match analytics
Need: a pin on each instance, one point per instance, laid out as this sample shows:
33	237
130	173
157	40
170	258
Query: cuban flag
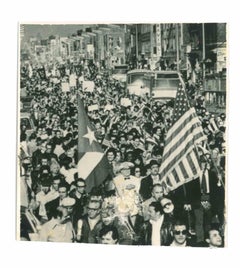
93	166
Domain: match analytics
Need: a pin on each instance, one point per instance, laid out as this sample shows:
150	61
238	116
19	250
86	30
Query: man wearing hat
127	188
148	182
124	181
60	228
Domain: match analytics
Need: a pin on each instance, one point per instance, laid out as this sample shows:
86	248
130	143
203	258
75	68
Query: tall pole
203	50
137	43
177	46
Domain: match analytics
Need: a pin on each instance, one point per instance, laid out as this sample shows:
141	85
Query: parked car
26	122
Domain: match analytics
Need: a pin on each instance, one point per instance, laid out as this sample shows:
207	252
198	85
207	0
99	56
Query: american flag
180	161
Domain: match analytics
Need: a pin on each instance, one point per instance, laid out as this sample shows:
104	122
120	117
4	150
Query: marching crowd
130	207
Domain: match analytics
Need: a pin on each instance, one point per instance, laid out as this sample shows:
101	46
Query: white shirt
51	195
174	244
121	184
41	199
155	179
156	227
68	174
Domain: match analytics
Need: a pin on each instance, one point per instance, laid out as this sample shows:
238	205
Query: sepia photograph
121	135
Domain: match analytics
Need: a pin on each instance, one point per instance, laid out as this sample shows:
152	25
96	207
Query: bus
165	84
139	82
160	85
119	72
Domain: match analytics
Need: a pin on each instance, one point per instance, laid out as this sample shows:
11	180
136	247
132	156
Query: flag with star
180	162
93	166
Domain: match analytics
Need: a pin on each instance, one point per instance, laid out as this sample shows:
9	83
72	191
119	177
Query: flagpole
203	49
177	46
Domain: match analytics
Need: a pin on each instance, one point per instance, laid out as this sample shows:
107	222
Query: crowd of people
131	206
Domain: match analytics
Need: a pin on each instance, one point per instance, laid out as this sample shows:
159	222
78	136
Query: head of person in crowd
38	142
39	131
122	139
179	233
118	157
63	189
109	235
138	157
213	238
157	131
97	124
67	138
54	167
67	205
157	192
138	172
129	156
111	154
114	132
130	136
154	167
43	146
114	142
155	211
125	169
58	135
45	184
157	153
44	173
49	148
123	149
136	141
93	209
80	185
96	194
33	137
107	215
66	163
167	205
70	149
44	162
55	183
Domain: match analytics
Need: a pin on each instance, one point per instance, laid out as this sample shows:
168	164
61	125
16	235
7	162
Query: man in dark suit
156	231
148	182
52	206
201	200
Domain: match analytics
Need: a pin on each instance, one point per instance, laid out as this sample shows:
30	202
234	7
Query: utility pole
203	50
177	46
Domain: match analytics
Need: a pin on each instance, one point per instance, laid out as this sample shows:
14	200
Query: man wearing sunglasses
180	235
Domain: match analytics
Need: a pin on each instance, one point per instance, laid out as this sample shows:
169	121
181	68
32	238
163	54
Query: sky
46	30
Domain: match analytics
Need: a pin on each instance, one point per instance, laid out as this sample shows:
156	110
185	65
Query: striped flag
180	162
212	126
92	164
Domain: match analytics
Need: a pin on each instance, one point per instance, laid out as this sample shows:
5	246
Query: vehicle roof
24	115
140	71
149	71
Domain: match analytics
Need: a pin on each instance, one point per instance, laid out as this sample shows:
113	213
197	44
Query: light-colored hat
68	202
126	165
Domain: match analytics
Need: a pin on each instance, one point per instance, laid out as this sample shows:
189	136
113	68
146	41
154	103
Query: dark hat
153	163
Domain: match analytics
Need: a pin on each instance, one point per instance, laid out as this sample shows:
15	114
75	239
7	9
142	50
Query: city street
122	134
